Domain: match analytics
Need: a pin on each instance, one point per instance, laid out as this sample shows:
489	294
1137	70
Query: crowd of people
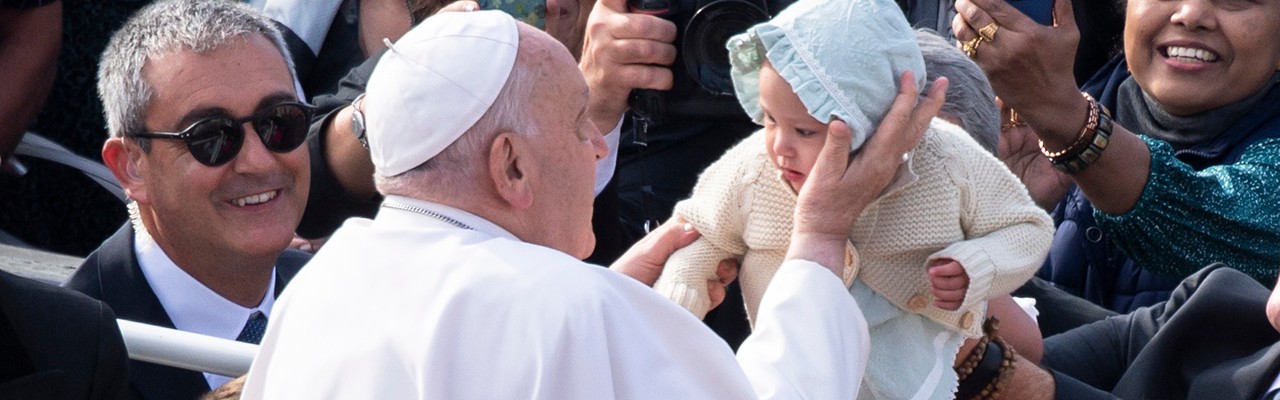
415	199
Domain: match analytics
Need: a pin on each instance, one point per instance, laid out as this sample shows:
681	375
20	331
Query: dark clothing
54	207
57	344
612	239
111	274
1210	340
339	53
1060	311
24	3
651	179
1085	260
327	203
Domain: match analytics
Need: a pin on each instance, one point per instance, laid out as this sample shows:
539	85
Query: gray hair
456	165
197	25
970	97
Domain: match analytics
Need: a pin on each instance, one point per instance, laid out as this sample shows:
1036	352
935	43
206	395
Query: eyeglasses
214	141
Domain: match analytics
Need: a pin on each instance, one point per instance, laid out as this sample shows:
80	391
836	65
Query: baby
953	229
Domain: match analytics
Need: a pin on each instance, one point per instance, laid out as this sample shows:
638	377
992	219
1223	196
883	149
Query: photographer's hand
623	51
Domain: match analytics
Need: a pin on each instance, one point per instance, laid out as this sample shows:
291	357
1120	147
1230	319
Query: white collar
191	305
397	217
1275	385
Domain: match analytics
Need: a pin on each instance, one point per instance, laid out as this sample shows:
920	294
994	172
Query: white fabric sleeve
309	19
606	166
810	339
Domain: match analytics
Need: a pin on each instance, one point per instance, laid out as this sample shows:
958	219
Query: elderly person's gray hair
456	166
970	97
197	25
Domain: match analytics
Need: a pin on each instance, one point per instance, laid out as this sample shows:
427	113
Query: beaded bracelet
1077	162
976	355
992	390
1086	133
987	366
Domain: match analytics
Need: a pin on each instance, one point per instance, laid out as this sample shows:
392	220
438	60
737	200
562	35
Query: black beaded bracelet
983	379
986	371
1074	163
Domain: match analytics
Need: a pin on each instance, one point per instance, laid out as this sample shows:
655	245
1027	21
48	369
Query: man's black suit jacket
57	344
111	274
1211	340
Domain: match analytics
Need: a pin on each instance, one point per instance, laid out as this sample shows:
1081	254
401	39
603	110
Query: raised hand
1019	149
838	189
623	51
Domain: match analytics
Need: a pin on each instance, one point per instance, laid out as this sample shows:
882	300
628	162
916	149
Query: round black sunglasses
215	140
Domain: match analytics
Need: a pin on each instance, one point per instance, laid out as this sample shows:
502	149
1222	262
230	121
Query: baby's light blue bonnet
842	57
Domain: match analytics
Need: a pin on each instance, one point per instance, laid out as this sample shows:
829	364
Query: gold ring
1013	122
970	47
988	33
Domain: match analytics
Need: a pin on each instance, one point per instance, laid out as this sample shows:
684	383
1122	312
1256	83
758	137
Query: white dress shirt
191	305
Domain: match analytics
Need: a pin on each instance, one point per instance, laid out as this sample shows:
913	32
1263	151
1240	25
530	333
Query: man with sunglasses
206	139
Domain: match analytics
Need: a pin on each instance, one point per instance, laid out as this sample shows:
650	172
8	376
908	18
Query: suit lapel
288	265
113	275
125	289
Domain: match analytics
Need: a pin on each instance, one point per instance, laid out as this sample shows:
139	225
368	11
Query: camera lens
703	46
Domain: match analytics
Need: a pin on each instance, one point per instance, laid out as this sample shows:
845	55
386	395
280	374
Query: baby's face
793	137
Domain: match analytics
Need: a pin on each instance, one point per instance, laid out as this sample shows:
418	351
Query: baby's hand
726	272
948	282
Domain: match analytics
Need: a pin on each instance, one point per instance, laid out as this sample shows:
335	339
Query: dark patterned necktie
253	329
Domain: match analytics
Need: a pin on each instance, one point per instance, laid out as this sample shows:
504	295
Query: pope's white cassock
409	306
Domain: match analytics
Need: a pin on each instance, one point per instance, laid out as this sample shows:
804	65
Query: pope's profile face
567	146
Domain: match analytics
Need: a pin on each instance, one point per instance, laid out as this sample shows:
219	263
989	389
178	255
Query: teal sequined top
1186	219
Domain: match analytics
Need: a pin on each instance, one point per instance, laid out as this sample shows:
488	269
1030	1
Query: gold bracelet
1086	134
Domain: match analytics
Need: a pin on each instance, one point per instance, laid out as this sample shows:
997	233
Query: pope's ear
125	161
509	162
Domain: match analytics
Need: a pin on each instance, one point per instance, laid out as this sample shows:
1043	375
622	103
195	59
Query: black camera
701	86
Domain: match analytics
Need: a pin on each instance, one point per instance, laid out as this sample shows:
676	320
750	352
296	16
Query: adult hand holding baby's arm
648	258
948	282
838	189
645	260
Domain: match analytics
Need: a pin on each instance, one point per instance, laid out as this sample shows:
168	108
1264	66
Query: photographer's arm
623	51
348	160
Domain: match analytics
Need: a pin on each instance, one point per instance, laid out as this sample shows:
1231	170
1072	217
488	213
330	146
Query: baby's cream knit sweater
955	201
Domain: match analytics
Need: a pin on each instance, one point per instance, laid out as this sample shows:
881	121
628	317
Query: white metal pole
186	350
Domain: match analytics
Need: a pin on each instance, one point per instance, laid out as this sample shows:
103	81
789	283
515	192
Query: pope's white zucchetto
434	84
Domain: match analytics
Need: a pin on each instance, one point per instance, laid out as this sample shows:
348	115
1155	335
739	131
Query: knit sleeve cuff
977	265
684	279
692	297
